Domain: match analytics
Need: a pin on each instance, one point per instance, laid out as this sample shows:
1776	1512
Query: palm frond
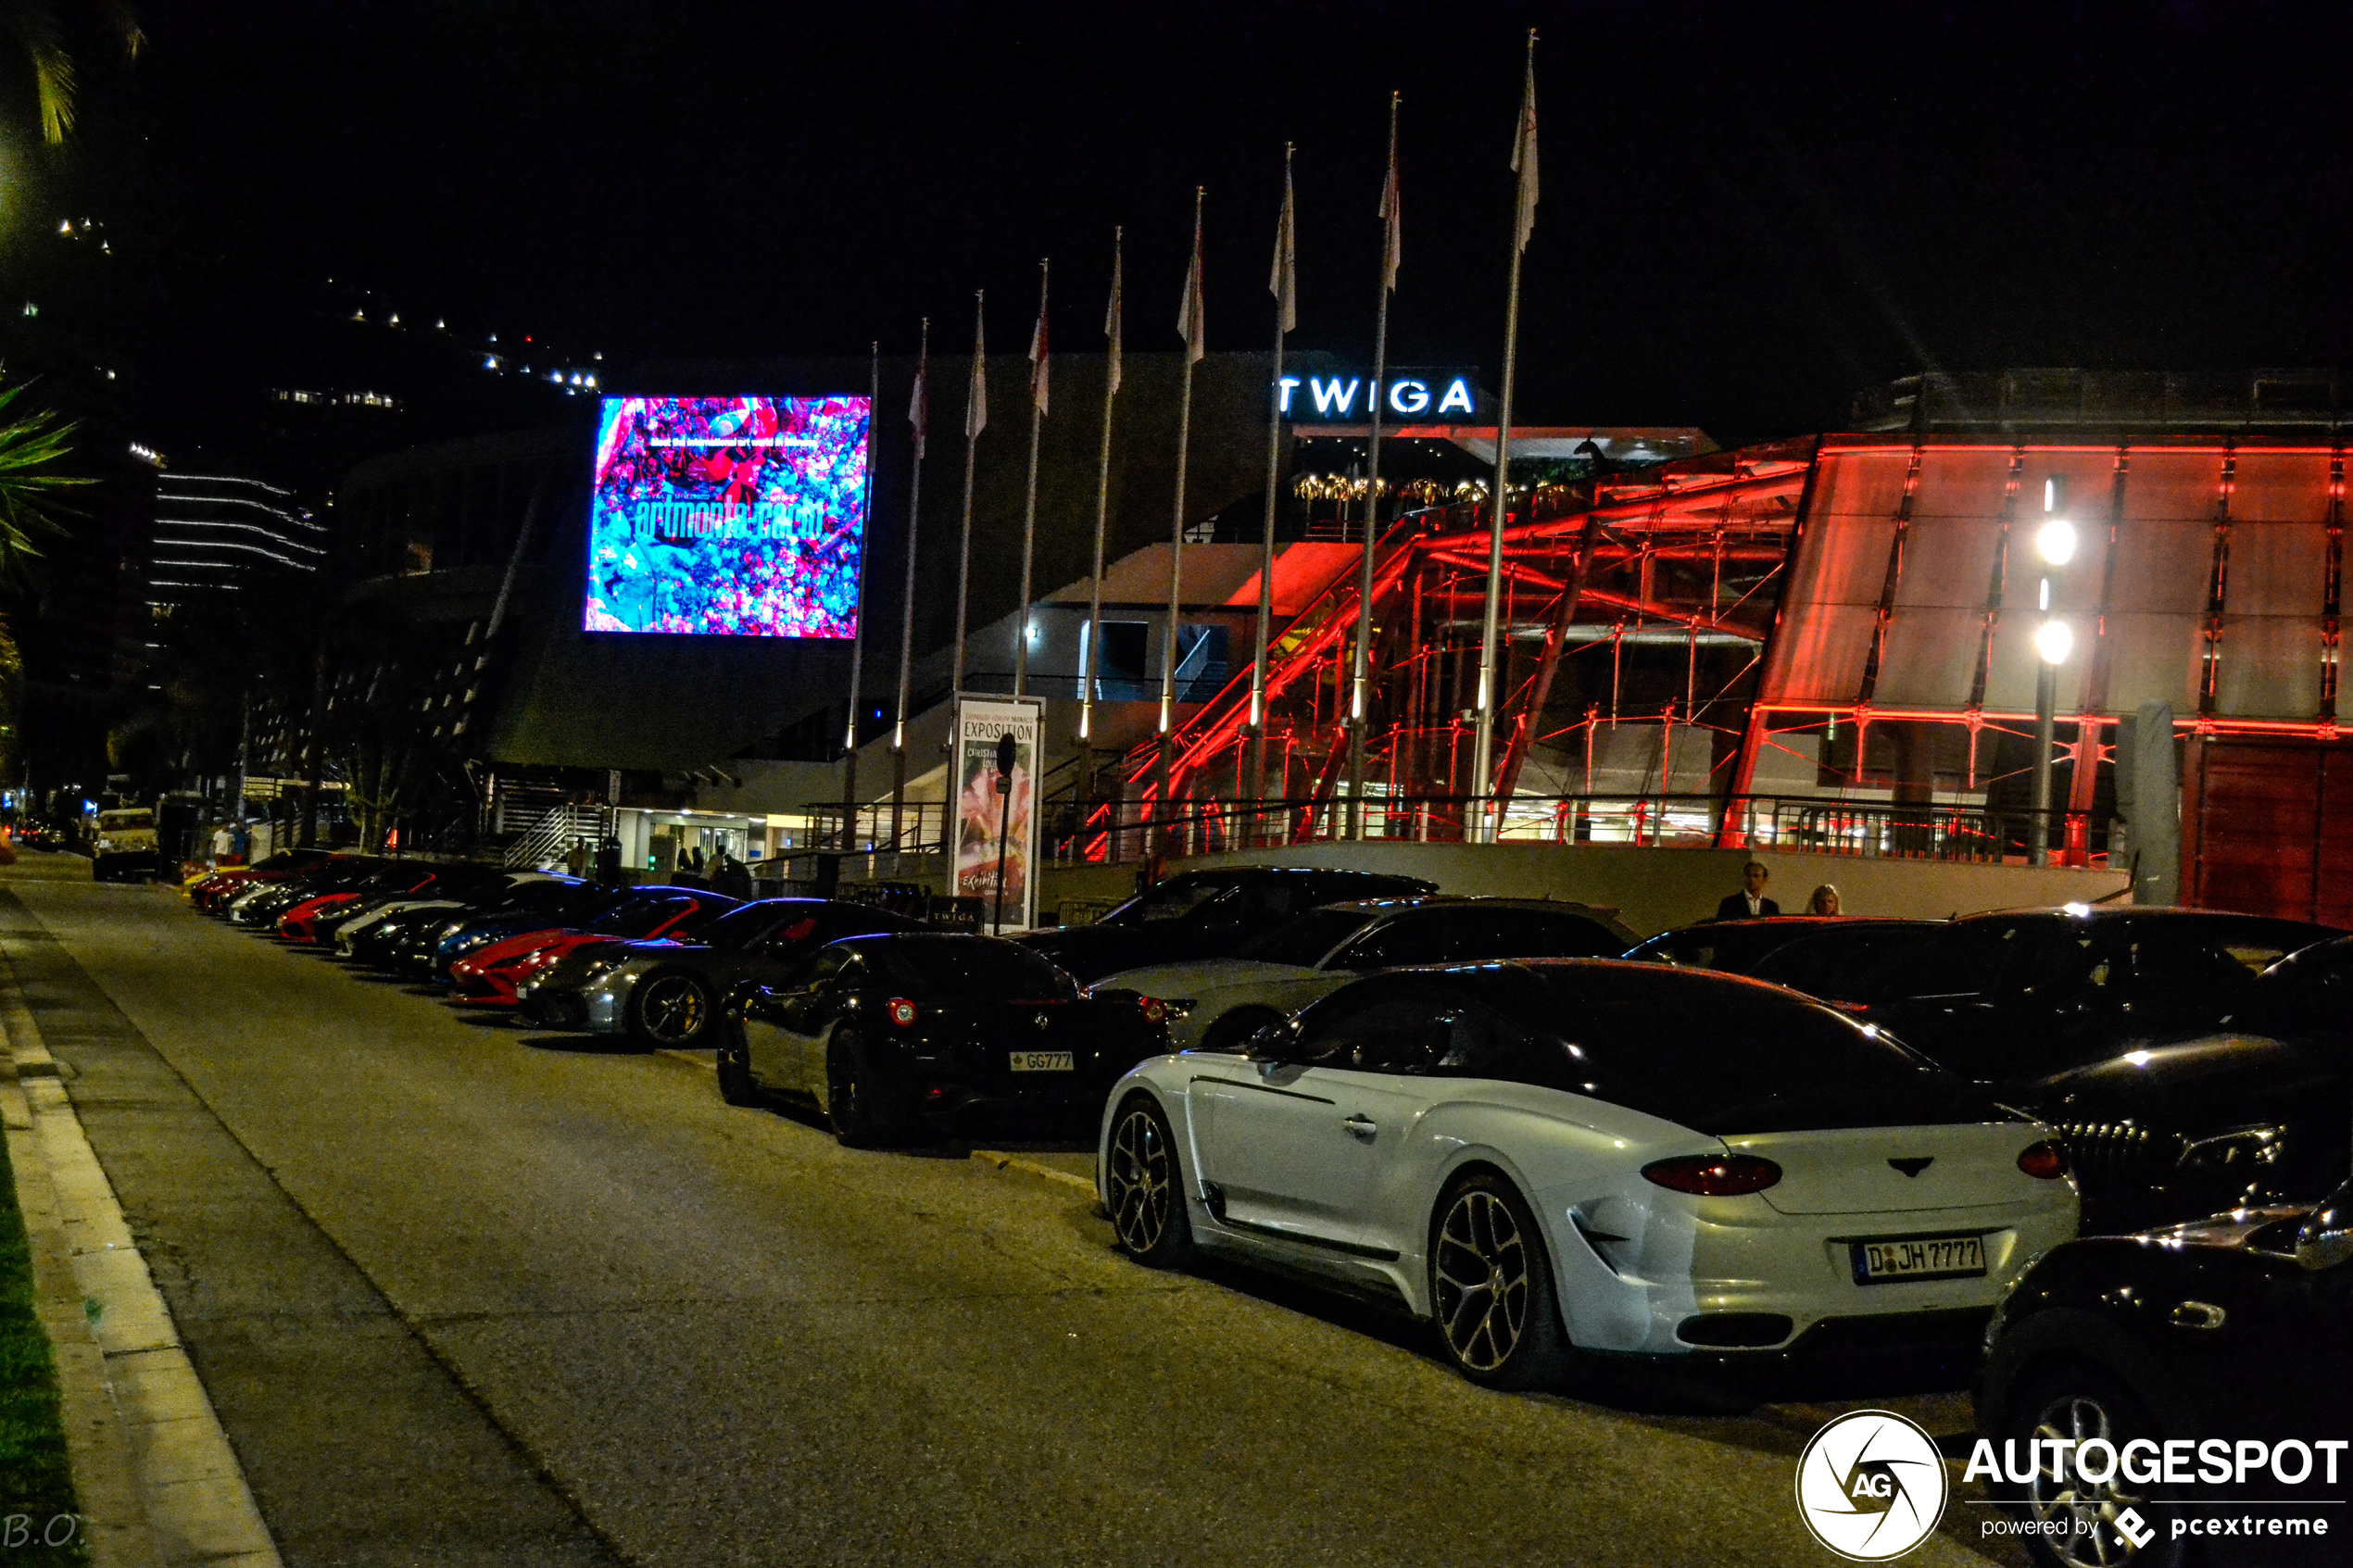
31	490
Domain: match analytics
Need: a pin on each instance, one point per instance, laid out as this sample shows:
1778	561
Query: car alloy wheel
858	1102
671	1010
1491	1286
2063	1501
1145	1186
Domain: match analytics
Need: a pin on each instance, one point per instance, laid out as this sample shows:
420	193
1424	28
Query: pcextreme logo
1872	1486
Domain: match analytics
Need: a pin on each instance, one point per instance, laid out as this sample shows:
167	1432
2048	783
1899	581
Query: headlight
1179	1007
2244	1150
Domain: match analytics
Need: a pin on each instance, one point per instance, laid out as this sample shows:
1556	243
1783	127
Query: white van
125	845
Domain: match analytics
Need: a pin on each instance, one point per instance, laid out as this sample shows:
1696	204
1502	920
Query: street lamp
2054	640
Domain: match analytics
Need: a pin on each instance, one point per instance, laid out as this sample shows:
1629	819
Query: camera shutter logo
1872	1486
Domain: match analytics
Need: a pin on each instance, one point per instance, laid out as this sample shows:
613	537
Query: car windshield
746	923
977	968
1721	1057
637	917
1173	899
119	821
1305	941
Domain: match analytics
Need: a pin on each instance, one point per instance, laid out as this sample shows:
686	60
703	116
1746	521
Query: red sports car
212	894
488	977
301	923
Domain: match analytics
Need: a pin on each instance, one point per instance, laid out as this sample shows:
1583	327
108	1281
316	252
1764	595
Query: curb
1031	1168
152	1466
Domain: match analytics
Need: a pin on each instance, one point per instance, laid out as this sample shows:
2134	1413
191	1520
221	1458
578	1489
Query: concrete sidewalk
157	1484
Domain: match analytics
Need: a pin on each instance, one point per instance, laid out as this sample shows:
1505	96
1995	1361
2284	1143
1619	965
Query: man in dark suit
1750	901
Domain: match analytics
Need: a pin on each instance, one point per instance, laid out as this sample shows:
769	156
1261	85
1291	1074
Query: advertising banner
742	517
994	828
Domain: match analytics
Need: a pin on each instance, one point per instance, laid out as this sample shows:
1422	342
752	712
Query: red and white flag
1392	248
1037	348
1110	315
1192	323
919	404
1524	152
1284	281
976	400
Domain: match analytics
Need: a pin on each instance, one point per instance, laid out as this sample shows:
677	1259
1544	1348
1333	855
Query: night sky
1749	212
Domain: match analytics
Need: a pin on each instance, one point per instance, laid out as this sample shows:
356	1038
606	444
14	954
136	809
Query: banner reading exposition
985	840
739	517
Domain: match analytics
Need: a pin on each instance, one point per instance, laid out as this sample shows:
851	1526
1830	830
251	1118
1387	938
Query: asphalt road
463	1295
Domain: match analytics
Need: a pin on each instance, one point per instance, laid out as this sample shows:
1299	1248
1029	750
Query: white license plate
1919	1257
1042	1061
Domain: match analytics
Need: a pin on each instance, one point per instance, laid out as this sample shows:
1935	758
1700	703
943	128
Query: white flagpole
1499	504
1284	286
1029	502
1360	696
919	418
1089	654
858	637
975	420
1192	327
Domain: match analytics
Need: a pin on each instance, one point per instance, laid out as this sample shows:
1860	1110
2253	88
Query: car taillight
1153	1009
1727	1175
2045	1160
901	1012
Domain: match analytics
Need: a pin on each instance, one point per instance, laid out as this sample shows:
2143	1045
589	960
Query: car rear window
1173	899
956	969
1723	1057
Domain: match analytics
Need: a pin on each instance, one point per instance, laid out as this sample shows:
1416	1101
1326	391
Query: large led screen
739	516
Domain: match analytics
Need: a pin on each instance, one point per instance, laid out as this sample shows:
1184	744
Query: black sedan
1206	915
890	1034
1803	952
2197	1377
666	993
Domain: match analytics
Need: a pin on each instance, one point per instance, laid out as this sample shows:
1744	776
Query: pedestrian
1824	901
577	858
1750	902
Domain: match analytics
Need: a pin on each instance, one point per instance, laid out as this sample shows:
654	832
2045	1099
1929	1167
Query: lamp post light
2054	542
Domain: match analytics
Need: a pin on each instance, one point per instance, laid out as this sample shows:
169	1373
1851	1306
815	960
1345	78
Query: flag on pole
1392	242
1284	282
1038	348
976	401
919	405
1524	151
1192	324
1110	316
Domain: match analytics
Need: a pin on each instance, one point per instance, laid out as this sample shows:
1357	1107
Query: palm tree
32	444
34	28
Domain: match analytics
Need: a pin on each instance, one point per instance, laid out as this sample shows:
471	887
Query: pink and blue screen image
736	517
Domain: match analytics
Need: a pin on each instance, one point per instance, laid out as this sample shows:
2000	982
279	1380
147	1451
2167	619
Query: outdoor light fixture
2056	541
2054	642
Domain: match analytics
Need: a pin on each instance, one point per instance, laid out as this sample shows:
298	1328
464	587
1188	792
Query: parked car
1555	1156
124	846
458	888
2010	999
2236	1328
487	977
463	934
2259	1114
1205	915
260	907
212	894
407	938
314	920
921	1031
1218	1003
1737	946
1843	959
666	992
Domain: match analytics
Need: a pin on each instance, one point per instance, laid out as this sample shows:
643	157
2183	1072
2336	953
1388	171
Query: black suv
1206	915
2231	1336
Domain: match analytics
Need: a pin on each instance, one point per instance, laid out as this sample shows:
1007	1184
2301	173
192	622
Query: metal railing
1121	831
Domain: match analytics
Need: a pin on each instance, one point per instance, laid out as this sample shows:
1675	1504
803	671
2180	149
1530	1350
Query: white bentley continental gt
1548	1157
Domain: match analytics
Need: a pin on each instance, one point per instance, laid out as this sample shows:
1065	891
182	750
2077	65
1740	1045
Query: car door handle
1362	1126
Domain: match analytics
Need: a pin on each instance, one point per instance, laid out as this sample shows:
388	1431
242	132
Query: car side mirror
2326	1240
1274	1044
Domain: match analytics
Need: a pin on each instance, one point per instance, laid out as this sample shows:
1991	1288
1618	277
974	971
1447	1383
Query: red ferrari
213	894
488	977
